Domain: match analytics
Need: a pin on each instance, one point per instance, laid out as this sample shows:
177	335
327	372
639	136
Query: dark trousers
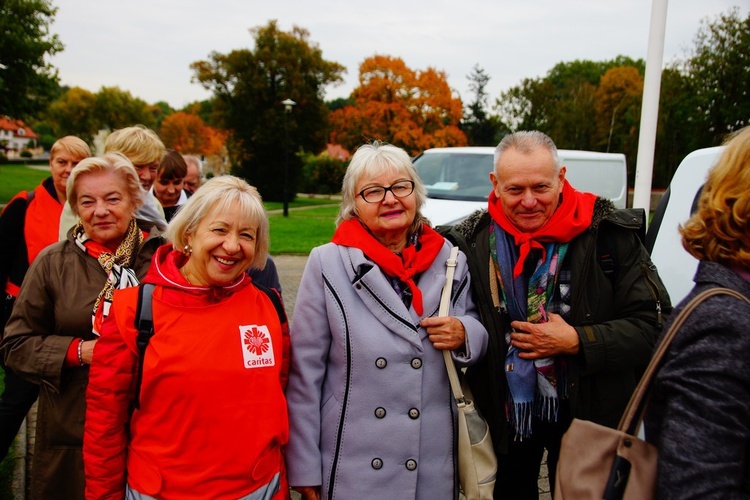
15	402
518	470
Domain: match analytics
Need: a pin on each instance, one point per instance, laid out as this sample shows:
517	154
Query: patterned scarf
534	386
119	275
413	260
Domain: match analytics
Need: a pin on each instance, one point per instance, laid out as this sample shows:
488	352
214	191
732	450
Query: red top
213	415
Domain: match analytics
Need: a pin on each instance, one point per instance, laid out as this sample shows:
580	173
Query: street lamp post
288	104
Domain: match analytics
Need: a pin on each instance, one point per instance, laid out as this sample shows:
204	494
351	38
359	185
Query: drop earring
187	250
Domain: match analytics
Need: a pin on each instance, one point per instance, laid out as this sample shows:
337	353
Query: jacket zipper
654	289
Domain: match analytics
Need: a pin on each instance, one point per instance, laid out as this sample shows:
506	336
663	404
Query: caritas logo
257	348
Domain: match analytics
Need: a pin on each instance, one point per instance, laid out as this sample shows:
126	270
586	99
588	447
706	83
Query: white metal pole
650	109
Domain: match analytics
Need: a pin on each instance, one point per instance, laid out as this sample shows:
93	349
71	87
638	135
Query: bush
3	158
25	154
322	174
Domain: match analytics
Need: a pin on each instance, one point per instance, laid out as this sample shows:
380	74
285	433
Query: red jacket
213	415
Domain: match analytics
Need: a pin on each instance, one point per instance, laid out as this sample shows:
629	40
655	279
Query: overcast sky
146	46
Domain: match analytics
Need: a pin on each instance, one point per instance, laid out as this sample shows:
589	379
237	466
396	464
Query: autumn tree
116	108
83	113
28	82
618	112
189	134
411	109
248	87
73	113
562	104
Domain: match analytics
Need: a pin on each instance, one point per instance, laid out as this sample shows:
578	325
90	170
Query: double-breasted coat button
376	463
380	412
416	363
381	362
411	464
358	286
414	414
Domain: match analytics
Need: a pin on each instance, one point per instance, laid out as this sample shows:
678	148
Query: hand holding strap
445	301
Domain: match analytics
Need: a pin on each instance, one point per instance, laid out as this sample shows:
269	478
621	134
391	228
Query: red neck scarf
351	233
571	218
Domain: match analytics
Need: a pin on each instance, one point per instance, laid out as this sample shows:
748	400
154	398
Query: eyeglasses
376	194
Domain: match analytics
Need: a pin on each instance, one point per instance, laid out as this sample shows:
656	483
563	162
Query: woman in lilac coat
370	405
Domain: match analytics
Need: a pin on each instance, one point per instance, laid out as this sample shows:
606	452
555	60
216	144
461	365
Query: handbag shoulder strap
636	408
445	301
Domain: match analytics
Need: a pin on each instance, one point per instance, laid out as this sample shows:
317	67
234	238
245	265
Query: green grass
302	230
301	201
16	178
296	234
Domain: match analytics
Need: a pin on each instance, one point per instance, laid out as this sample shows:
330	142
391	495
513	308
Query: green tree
73	113
480	128
562	104
249	85
115	108
28	82
719	71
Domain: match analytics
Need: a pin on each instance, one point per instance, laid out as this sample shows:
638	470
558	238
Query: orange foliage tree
411	109
189	134
618	109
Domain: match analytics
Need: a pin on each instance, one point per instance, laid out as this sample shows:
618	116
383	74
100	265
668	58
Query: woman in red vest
27	225
210	416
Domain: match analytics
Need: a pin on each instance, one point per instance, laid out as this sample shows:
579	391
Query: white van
676	266
458	179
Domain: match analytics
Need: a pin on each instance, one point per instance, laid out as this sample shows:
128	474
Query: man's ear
493	179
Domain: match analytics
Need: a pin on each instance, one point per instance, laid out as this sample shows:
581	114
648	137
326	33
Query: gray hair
527	142
374	159
195	161
223	193
115	163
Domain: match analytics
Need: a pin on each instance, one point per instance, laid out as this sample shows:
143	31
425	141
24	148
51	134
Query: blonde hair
373	159
140	144
115	163
719	230
71	144
223	193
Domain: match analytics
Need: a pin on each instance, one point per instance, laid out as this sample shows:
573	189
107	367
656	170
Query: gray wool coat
370	406
699	411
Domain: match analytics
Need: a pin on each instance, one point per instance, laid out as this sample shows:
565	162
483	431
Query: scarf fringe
520	419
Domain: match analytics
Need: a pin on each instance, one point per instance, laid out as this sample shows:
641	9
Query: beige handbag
477	464
599	462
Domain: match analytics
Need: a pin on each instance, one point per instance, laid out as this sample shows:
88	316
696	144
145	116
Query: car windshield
455	176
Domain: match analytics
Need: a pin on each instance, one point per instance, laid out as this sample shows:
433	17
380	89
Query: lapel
375	292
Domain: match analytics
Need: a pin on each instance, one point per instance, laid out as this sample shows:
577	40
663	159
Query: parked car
676	266
458	182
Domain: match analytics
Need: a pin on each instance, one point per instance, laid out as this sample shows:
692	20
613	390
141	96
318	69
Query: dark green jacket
618	318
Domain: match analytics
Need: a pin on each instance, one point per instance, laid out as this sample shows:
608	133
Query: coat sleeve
108	396
465	310
311	340
639	299
30	347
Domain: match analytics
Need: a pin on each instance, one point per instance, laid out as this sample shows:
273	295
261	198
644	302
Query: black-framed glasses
376	194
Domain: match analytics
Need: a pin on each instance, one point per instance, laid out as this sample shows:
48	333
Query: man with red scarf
571	301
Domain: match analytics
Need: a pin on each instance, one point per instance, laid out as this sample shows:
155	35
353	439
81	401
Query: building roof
15	126
337	151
